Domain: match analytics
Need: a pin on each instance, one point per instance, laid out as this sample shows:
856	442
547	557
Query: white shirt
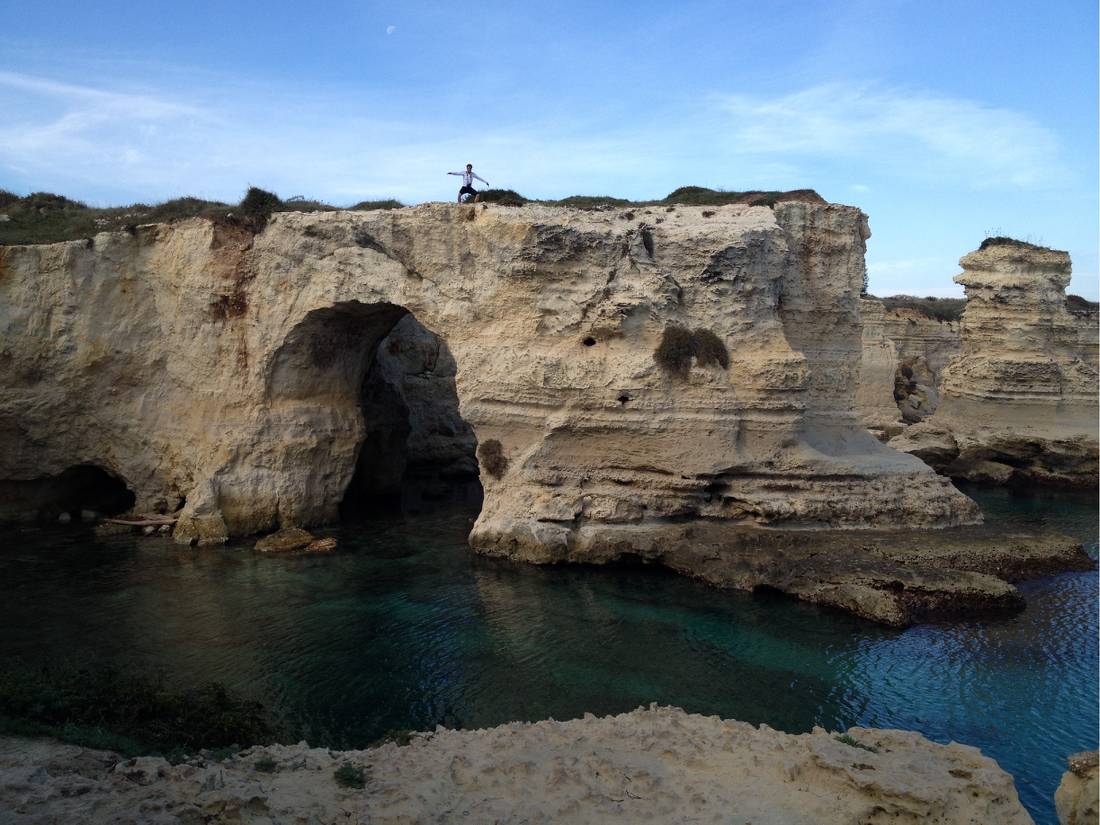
468	178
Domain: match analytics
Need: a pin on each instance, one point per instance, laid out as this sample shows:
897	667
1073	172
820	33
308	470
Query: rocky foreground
650	765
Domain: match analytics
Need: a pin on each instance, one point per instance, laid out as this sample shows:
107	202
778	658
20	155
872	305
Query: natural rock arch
340	385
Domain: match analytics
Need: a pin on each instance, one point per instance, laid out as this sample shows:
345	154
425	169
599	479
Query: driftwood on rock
145	521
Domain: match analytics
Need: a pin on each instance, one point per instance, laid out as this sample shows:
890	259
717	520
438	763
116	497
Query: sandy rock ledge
651	765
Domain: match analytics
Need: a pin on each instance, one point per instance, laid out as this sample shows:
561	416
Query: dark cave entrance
417	453
367	399
82	488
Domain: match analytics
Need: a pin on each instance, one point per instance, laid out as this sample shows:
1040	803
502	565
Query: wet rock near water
1077	799
295	540
893	577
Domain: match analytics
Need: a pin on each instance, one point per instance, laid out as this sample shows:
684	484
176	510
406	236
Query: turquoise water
405	628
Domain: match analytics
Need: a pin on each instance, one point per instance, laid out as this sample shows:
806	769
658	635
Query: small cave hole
623	399
589	341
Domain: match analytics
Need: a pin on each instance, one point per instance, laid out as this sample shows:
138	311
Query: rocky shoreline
658	765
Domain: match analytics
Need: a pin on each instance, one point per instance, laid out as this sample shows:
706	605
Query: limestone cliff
904	353
221	374
877	373
1019	403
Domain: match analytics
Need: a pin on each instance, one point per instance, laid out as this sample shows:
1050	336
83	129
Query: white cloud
391	29
912	133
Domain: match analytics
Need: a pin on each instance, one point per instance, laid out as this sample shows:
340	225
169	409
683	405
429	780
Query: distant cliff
1018	403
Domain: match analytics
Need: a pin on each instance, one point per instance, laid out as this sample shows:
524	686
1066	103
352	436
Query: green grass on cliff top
43	217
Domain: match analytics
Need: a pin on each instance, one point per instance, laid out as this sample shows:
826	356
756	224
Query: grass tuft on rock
350	776
673	355
265	764
258	204
491	453
102	706
709	349
679	345
1002	240
845	739
503	197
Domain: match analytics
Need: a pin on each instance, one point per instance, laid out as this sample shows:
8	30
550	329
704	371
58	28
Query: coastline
656	764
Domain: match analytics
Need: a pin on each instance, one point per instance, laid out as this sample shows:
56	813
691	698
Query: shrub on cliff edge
258	204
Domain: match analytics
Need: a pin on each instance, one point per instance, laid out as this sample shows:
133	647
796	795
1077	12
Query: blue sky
944	121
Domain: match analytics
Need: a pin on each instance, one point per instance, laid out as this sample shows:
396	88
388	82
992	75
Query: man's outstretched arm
459	174
476	175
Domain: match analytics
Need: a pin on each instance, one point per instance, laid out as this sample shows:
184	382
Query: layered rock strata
924	347
221	374
1019	403
878	372
655	765
897	578
904	353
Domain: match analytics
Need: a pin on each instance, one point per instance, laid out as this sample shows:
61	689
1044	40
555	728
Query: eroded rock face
1020	400
222	373
657	764
904	353
877	374
1077	799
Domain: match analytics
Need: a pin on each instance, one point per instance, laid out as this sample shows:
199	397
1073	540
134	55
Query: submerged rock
651	765
325	545
286	540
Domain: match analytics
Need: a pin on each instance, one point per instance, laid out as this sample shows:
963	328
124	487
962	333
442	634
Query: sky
944	121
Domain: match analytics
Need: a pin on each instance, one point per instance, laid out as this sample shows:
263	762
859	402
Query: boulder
1076	799
286	540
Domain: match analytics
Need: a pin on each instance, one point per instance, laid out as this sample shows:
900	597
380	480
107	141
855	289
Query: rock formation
222	373
878	372
924	347
1077	799
1019	403
659	765
252	382
904	353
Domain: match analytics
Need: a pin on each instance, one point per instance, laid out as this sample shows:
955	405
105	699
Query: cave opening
83	490
364	399
417	453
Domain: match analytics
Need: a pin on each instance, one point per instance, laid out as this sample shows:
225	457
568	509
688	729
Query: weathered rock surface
222	373
893	577
904	353
1077	799
1020	400
286	540
657	765
877	374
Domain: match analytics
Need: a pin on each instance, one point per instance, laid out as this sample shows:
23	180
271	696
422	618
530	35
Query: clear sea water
404	628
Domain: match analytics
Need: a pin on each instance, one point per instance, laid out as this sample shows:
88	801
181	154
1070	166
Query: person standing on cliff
468	181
